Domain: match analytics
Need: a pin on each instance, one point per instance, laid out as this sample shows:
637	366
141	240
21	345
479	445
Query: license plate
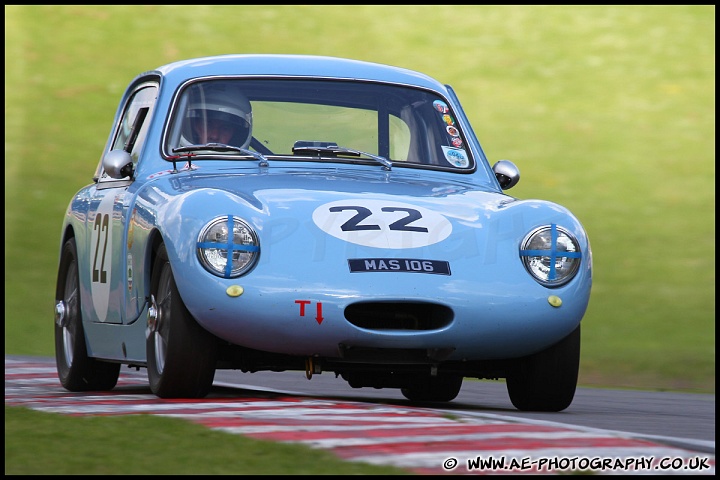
408	265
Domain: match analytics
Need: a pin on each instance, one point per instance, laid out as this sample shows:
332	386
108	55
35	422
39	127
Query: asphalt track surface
604	431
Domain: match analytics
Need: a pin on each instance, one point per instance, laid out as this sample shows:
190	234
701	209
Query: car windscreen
281	117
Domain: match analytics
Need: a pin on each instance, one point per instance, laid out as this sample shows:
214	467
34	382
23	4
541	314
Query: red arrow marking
319	316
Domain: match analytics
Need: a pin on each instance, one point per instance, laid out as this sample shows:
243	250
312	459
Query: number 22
402	224
101	225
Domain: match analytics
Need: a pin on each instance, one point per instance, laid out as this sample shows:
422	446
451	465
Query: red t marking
302	304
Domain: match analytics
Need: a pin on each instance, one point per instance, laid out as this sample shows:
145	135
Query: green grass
152	445
608	110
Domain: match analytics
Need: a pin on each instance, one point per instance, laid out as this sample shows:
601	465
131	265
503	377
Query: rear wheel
181	355
77	372
546	381
441	388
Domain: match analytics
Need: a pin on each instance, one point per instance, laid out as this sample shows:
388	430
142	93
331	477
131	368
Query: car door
108	213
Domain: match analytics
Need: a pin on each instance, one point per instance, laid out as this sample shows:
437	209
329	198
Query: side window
135	121
399	139
131	132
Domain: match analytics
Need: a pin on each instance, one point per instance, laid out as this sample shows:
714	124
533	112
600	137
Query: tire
546	381
77	372
434	389
181	355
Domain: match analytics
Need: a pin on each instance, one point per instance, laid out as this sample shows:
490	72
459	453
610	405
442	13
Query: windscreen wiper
221	147
333	149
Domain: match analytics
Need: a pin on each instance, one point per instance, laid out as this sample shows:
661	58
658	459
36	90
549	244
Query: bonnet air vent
413	316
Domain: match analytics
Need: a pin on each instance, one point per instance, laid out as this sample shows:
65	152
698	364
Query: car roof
293	65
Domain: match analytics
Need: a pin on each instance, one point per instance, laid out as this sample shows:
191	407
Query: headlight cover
551	255
227	247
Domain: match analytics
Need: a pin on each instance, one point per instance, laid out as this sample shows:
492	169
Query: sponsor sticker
456	156
441	106
452	131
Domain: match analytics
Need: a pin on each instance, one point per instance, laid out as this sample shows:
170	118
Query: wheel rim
164	302
70	299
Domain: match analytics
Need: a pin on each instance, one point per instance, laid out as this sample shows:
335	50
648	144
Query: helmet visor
239	125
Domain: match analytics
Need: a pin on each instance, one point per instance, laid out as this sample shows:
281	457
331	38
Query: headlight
227	247
551	255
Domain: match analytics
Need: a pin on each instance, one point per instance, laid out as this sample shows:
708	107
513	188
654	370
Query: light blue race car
317	214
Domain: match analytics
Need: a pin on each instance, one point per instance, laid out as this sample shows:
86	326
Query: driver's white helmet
216	103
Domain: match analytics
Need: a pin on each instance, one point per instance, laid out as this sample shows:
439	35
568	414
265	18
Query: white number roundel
381	223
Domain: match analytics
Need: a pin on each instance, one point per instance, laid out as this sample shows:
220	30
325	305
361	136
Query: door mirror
118	164
507	174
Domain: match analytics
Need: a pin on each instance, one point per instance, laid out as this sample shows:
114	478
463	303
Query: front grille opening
399	315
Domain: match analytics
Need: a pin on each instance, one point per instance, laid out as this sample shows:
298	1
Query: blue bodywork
298	298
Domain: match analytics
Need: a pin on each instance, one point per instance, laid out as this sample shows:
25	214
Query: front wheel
181	355
434	388
546	381
76	370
